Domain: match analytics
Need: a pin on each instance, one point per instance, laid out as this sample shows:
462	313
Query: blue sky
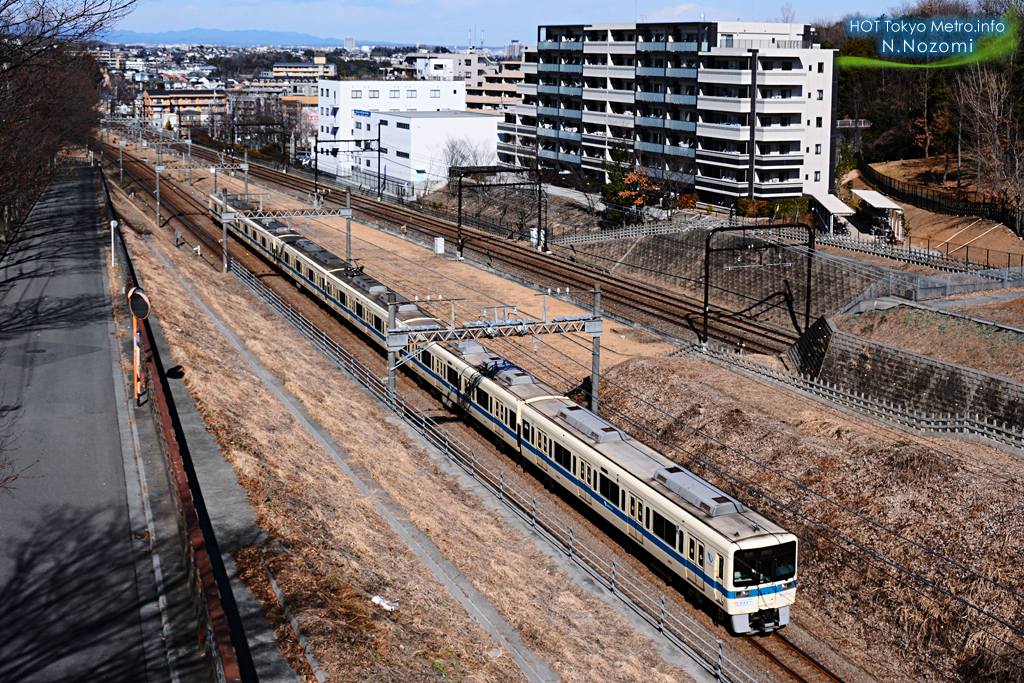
448	22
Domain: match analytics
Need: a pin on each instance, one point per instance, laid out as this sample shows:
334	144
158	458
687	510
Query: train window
640	511
562	455
378	324
359	310
590	480
632	506
573	470
662	528
483	399
692	550
700	555
764	565
510	418
720	568
453	377
609	489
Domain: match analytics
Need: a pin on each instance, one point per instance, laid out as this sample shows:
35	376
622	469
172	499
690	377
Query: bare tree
786	13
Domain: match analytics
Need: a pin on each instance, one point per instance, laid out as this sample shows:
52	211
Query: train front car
761	578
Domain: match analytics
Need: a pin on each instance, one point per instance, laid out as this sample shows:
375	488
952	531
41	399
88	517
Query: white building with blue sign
339	101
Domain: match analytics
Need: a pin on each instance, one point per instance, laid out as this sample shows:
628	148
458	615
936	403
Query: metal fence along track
936	423
707	650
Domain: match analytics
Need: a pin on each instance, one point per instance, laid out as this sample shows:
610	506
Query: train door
588	477
695	561
701	565
719	578
636	518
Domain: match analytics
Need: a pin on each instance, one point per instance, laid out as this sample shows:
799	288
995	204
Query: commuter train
743	565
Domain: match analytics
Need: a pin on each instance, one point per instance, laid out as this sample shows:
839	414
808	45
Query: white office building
413	153
340	100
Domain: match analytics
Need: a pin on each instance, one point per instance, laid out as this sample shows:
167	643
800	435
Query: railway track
183	207
789	658
660	309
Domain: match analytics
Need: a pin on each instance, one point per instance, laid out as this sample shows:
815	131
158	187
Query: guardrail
215	638
712	653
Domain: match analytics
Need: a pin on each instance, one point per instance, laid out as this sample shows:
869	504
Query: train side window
640	511
662	528
700	555
573	470
483	399
526	431
608	489
359	310
720	568
562	455
590	478
453	377
692	550
632	506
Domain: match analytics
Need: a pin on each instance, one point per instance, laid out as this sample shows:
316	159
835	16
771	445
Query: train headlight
788	586
742	594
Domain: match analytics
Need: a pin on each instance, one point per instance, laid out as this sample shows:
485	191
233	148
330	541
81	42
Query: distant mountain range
214	36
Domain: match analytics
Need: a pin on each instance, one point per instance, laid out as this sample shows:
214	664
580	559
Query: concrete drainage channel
682	631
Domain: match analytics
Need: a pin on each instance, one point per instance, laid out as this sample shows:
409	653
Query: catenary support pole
392	307
458	242
247	174
224	233
595	363
348	225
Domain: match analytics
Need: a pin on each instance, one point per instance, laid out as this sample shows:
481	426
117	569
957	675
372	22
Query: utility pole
120	158
458	244
348	225
226	215
380	187
159	168
246	167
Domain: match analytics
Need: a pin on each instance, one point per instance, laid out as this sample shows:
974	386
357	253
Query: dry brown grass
336	537
967	510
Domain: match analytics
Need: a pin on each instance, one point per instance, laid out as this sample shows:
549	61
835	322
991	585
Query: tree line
972	116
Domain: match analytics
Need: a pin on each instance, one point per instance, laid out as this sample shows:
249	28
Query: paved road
69	605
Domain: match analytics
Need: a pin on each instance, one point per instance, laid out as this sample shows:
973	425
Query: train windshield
764	565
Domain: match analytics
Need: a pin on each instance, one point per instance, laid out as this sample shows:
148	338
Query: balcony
772	77
571	158
725	76
617	47
681	99
607	95
528	68
791	188
652	46
547	154
649	121
571	68
593	162
547	111
571	45
681	73
676	176
779	134
678	151
570	113
725	131
526	88
548	89
648	146
570	91
722	185
735	105
609	71
547	132
649	96
780	105
733	159
525	109
779	160
682	47
569	135
592	139
547	68
657	72
506	127
547	45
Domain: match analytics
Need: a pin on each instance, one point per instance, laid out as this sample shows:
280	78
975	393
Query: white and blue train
743	565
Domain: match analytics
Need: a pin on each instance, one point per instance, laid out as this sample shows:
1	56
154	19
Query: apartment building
498	92
190	107
726	109
318	68
471	67
341	101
